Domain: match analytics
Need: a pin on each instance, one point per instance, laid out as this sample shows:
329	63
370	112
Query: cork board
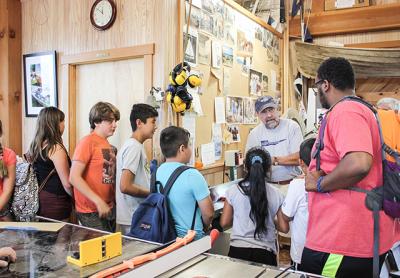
231	79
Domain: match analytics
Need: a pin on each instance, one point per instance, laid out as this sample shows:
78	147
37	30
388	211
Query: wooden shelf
356	20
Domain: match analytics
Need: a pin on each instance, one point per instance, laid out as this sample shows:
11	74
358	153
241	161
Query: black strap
375	205
194	216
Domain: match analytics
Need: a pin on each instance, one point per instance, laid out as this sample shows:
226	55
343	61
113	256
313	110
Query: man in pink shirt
339	239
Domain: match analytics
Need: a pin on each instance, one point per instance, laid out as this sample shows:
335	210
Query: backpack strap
194	216
175	174
373	202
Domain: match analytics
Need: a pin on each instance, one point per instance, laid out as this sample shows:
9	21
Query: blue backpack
152	220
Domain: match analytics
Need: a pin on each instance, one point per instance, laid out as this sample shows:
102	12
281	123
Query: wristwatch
276	163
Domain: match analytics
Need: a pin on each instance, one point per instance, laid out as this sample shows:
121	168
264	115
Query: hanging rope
186	38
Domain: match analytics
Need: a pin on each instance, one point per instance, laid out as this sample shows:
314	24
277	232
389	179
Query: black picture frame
40	81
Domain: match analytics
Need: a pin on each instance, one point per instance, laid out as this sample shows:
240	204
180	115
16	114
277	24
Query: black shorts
334	265
257	255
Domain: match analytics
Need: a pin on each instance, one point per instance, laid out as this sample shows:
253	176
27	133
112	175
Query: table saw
44	254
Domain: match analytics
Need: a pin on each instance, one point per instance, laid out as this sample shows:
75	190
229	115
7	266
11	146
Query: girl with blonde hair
7	178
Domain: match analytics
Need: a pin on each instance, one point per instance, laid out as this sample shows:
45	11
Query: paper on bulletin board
208	153
273	81
196	104
189	123
191	47
217	139
216	54
227	80
219	110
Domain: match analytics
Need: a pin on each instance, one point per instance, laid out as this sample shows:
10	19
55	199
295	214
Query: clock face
103	14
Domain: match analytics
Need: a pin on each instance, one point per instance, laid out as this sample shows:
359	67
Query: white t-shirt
243	227
295	206
132	157
283	140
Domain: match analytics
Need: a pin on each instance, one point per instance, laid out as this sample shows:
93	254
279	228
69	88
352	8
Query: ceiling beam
381	44
356	20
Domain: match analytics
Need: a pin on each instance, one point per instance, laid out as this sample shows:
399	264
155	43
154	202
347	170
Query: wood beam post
10	72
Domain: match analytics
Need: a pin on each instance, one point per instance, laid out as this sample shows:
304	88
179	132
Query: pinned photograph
229	16
233	133
195	15
216	54
191	47
255	83
40	82
244	44
265	84
206	23
204	49
208	5
234	110
219	7
250	116
218	26
245	64
229	34
267	38
227	56
259	33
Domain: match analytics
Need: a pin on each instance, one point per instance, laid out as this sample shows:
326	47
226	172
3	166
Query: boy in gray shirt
133	175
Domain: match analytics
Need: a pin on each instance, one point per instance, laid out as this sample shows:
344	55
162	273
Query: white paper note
208	153
219	110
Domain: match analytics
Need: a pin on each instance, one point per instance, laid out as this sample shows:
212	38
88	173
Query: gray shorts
92	220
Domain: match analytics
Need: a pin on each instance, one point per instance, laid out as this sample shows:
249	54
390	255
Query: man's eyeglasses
315	88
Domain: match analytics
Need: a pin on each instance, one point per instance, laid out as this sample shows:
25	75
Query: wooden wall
64	26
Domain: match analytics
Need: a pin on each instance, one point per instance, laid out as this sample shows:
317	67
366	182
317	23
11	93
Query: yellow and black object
96	250
177	93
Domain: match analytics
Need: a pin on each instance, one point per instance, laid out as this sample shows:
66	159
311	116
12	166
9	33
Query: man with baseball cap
280	137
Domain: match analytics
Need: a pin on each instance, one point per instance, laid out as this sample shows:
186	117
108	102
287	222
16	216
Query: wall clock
103	14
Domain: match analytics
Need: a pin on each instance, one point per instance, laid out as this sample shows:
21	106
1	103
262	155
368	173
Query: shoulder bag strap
46	179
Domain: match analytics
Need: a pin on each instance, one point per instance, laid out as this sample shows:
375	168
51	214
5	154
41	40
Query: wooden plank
256	19
373	18
381	44
11	73
148	84
72	107
109	55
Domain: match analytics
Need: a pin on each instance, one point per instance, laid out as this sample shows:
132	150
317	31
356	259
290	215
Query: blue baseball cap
265	102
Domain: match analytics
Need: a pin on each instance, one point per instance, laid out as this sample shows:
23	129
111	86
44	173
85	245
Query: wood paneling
10	72
64	26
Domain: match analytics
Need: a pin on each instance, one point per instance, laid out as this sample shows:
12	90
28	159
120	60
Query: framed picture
40	82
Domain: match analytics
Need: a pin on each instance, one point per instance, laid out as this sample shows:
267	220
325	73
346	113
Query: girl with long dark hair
250	208
51	161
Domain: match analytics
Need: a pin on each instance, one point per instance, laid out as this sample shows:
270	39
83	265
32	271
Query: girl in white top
250	208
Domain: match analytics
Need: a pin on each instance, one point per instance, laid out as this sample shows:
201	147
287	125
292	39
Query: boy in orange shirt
93	170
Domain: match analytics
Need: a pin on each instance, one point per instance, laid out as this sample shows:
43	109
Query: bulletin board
238	57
